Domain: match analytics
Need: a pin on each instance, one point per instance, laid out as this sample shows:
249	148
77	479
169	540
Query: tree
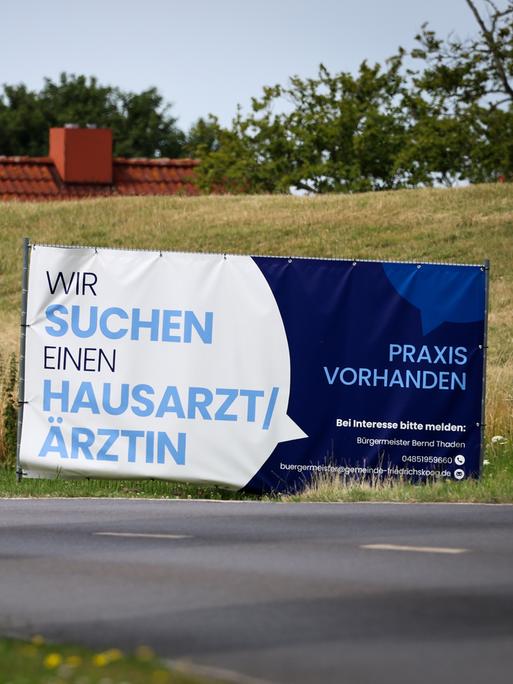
331	133
203	137
141	123
463	94
387	127
145	128
23	128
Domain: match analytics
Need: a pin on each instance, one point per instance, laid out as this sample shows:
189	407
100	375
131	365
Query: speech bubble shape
455	294
248	351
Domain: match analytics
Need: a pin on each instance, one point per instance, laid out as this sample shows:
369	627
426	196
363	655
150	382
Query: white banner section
148	365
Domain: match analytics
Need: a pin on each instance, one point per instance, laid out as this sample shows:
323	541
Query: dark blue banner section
386	370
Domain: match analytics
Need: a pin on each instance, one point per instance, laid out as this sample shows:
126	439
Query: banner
250	372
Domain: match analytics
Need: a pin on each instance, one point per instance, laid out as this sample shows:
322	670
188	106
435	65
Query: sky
207	56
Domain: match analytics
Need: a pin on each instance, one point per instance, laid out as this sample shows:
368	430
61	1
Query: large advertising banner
250	372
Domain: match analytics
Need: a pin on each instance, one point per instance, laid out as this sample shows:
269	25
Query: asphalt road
283	593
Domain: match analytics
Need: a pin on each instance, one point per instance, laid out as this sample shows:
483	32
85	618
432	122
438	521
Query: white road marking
414	549
143	535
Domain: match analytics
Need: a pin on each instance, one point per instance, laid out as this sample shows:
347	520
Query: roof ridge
160	161
24	159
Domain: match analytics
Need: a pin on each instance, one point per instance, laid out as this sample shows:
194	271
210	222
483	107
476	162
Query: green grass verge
494	486
133	489
37	662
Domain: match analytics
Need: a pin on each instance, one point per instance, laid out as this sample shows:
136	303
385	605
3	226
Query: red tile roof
37	179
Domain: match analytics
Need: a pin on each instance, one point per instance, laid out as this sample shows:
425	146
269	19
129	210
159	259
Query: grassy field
464	225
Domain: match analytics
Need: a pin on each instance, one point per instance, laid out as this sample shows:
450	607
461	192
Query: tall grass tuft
499	394
494	486
9	410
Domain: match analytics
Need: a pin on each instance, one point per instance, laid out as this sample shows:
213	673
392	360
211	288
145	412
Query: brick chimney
82	155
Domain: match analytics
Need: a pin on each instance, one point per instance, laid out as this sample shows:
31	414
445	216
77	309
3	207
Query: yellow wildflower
100	660
52	661
74	661
38	640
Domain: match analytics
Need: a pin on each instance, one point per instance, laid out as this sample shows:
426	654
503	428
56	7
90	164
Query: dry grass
499	394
